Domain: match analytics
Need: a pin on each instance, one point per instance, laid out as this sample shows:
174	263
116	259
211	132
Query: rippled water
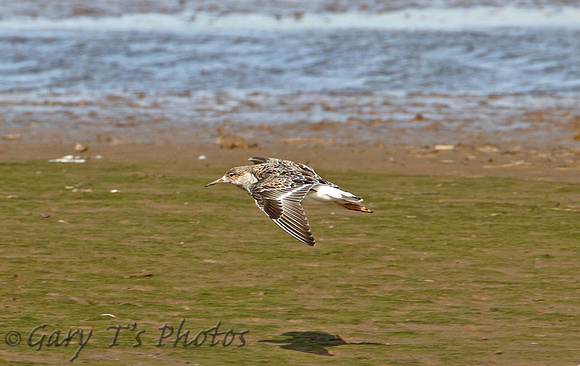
165	48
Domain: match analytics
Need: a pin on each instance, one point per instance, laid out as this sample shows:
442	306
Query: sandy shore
455	160
530	137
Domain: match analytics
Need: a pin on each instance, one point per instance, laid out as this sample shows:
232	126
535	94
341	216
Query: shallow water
188	51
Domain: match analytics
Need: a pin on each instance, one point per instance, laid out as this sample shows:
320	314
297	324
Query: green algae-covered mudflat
113	263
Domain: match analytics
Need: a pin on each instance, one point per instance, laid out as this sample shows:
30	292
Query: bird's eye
232	174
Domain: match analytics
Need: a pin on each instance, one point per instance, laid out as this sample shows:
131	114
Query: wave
409	19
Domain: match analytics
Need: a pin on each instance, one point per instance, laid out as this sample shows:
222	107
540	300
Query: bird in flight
279	186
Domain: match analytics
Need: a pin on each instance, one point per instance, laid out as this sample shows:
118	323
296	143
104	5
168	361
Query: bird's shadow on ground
312	342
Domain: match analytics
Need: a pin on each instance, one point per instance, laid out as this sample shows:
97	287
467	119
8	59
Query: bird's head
239	176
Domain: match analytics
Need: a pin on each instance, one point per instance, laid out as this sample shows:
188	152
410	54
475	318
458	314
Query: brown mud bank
523	136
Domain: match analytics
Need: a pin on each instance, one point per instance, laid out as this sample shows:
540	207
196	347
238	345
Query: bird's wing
282	203
260	159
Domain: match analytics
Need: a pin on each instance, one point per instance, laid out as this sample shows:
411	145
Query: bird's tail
352	203
331	193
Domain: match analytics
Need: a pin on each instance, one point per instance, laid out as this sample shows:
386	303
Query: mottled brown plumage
278	188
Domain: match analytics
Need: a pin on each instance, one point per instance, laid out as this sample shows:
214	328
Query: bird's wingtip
259	159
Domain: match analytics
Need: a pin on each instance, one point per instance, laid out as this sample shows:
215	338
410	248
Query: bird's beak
221	180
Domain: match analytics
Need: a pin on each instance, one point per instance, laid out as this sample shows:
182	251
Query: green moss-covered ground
447	271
